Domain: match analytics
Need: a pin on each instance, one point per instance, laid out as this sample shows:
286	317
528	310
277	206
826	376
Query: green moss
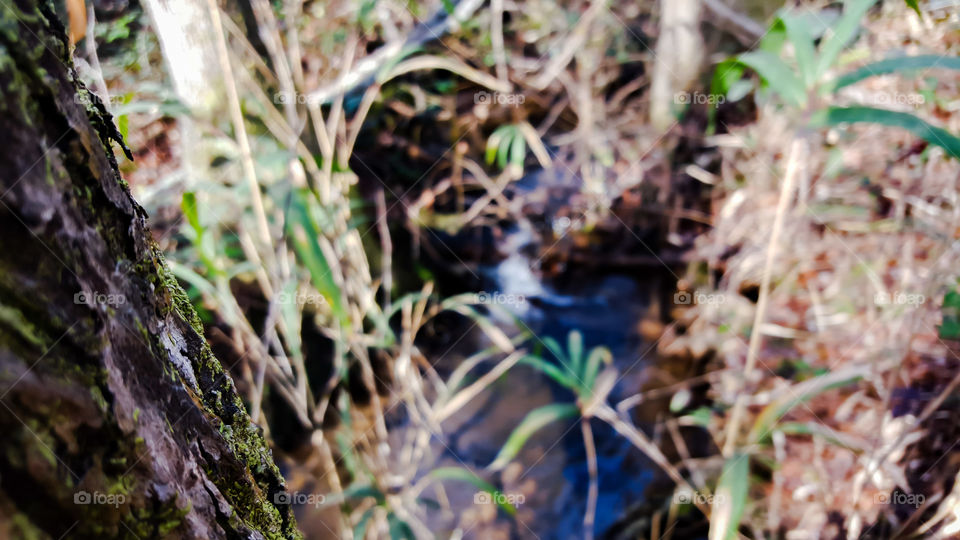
16	321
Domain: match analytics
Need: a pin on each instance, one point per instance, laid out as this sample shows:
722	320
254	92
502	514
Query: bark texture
116	420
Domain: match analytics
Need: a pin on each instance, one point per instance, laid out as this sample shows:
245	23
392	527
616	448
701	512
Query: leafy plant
583	376
507	146
800	82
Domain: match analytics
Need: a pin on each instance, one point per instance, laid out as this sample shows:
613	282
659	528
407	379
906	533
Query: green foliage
576	372
463	475
914	6
731	498
950	328
506	145
796	80
832	116
304	234
900	64
800	393
535	420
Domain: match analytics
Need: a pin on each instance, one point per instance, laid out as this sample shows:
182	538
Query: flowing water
550	480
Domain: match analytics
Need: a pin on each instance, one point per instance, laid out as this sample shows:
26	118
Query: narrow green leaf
555	349
833	116
796	395
503	151
518	149
898	65
842	33
360	531
575	350
777	75
493	144
912	4
550	370
189	208
725	76
533	422
731	498
802	40
772	42
303	233
399	529
599	356
463	475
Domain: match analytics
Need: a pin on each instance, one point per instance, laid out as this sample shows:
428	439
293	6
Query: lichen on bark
119	400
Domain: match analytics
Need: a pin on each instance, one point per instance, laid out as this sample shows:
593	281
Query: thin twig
797	152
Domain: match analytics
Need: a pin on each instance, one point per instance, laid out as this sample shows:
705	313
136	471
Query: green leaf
731	498
777	75
303	233
598	356
463	475
952	300
912	4
842	33
898	65
123	124
360	531
555	349
503	150
575	350
728	73
950	329
518	150
799	393
533	422
801	38
493	144
833	116
399	529
551	370
775	37
189	207
699	417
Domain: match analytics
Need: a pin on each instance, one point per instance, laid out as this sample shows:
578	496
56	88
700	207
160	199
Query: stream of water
552	474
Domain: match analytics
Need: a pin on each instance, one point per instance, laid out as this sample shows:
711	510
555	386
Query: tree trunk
115	418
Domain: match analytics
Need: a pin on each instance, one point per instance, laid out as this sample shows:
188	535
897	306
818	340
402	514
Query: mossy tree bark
115	418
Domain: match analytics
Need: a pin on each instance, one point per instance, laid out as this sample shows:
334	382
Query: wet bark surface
116	420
